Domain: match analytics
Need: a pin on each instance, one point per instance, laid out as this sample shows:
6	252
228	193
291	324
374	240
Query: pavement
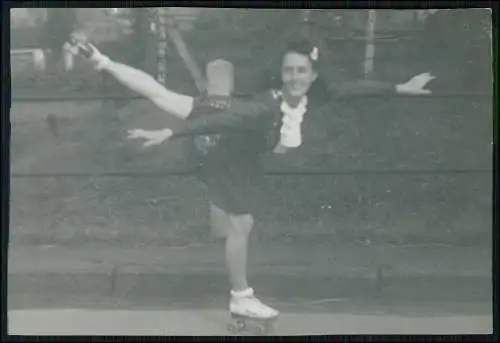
281	271
214	323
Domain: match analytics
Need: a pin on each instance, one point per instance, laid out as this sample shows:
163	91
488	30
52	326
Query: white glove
416	85
152	137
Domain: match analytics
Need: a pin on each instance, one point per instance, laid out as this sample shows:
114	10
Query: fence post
162	45
183	52
220	78
220	82
370	44
306	19
39	59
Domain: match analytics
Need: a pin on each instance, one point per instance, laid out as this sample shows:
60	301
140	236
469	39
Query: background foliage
400	170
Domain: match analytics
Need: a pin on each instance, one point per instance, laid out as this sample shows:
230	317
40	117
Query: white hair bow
314	54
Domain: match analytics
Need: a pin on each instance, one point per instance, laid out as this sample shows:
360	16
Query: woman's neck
292	101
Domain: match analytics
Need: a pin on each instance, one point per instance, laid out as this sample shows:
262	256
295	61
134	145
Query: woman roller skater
267	122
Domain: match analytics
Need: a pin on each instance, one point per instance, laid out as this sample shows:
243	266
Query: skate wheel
270	326
259	330
236	327
232	328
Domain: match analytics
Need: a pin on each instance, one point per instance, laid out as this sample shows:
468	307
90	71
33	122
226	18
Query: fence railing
100	97
296	173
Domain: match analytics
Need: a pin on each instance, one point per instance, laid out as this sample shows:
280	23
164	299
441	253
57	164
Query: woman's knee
220	223
224	224
242	224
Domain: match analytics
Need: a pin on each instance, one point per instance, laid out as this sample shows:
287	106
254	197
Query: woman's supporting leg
237	250
236	230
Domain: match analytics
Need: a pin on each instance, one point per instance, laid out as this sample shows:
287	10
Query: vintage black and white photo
232	171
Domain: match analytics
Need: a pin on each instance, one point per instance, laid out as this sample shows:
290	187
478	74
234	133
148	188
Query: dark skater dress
246	128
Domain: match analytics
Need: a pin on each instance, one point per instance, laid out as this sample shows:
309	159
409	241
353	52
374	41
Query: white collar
290	132
300	109
285	107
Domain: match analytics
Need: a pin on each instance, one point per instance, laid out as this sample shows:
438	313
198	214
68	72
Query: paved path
211	322
436	274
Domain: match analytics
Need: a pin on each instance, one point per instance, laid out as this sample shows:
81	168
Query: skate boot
246	309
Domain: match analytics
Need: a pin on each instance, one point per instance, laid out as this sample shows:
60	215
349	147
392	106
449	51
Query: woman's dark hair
300	46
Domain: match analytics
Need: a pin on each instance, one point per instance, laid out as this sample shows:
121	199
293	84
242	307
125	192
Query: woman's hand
152	137
416	85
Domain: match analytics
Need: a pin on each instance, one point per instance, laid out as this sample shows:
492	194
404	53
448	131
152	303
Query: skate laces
255	299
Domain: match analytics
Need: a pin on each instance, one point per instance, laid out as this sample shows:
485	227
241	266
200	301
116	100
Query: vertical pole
370	44
188	60
220	78
68	57
162	45
306	21
39	59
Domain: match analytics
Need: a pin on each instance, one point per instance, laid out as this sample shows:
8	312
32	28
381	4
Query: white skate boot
246	308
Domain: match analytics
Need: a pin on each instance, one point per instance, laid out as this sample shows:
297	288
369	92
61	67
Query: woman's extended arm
415	86
361	87
202	124
213	115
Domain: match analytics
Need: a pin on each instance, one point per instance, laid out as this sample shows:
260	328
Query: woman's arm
415	86
194	126
361	87
212	115
214	123
244	107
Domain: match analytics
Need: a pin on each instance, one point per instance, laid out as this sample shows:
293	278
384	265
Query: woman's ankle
242	293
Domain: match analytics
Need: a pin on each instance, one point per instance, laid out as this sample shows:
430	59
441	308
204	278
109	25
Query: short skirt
235	183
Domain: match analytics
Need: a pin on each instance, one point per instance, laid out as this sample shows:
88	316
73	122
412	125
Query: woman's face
297	74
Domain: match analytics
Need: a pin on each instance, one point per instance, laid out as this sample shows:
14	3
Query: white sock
242	294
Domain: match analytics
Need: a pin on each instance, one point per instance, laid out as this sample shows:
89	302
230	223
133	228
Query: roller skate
250	315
